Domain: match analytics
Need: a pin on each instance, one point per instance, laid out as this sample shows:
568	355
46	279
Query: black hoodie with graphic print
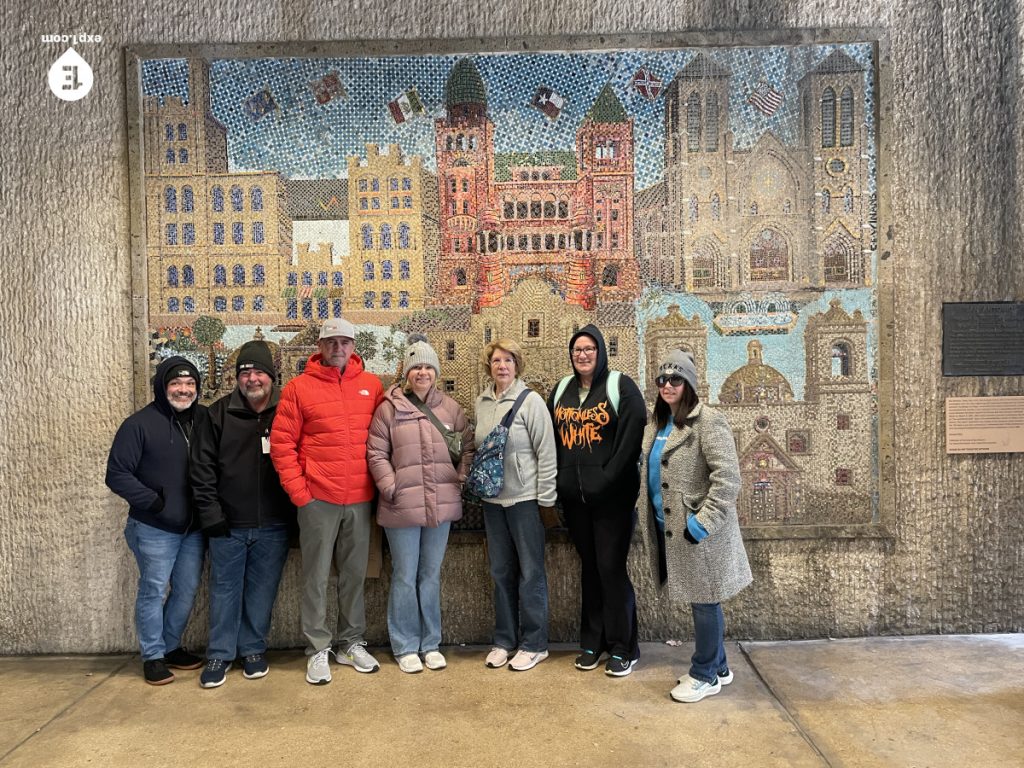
598	445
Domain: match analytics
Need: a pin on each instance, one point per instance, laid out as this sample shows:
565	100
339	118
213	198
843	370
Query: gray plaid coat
700	475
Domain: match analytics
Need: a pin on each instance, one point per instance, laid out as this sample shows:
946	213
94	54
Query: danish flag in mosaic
548	101
260	104
647	84
765	99
406	106
328	87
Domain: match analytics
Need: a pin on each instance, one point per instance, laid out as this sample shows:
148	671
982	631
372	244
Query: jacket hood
399	398
352	369
160	390
601	369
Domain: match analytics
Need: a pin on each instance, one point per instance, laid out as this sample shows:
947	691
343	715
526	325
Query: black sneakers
156	672
180	658
588	660
214	674
619	667
255	665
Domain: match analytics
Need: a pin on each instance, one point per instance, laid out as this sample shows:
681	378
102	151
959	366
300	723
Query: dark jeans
708	659
245	571
608	605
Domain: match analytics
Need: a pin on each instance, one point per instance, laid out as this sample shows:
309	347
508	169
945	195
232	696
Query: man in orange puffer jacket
318	446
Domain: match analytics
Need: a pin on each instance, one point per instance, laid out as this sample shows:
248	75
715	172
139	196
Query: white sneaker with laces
690	690
498	657
726	678
434	660
410	663
357	656
318	668
525	660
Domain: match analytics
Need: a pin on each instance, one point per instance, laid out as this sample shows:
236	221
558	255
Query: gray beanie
679	363
419	352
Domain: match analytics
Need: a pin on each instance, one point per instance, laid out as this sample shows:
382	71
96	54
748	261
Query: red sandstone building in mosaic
565	217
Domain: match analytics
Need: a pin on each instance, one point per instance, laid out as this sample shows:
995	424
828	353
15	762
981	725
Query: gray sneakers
318	668
357	656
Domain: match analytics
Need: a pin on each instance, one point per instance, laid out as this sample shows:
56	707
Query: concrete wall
953	564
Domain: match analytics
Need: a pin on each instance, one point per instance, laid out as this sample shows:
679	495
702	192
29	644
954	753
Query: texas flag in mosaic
259	104
765	99
548	102
328	87
406	106
647	84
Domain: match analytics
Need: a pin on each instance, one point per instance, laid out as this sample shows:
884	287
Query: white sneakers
434	660
410	663
498	657
690	690
525	660
318	668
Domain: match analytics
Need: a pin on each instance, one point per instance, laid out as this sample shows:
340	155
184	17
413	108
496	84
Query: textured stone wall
954	144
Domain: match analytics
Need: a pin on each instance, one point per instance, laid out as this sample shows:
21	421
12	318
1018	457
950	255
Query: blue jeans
167	561
414	604
245	571
708	659
515	547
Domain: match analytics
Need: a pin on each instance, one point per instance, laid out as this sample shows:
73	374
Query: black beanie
255	354
181	370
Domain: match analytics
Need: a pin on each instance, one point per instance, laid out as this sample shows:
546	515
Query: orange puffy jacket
318	441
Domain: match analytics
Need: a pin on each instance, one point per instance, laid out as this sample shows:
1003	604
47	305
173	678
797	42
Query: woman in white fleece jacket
515	533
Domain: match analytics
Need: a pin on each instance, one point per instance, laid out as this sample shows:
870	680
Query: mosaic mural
719	199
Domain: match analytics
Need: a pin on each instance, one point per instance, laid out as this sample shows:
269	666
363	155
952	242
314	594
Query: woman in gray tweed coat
693	534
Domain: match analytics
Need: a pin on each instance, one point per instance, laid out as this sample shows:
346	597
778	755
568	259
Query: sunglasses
674	380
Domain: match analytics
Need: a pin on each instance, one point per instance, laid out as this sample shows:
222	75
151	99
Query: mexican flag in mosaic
406	106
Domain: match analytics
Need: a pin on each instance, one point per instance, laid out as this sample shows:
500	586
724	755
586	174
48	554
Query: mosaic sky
303	139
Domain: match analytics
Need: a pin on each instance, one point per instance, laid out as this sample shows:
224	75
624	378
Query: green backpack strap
612	388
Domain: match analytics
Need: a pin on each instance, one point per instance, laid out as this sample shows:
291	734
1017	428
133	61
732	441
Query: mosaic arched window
171	200
172	277
259	274
406	183
549	209
367	270
182	132
711	144
337	279
220	275
403	235
403	299
321	278
182	156
173	305
257	233
236	198
220	304
693	122
187	199
563	209
693	208
706	267
307	278
238	275
218	233
459	276
826	201
449	144
169	132
190	305
237	303
385	236
375	184
258	303
848	200
610	276
170	156
307	309
385	300
369	299
188	233
403	269
321	309
188	275
237	233
841	361
386	270
716	207
769	257
838	258
292	309
172	234
217	196
828	118
336	307
256	199
846	117
367	234
293	278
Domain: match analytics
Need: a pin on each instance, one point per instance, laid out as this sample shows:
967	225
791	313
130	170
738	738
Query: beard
180	404
257	394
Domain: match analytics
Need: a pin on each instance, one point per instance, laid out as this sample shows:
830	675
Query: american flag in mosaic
765	99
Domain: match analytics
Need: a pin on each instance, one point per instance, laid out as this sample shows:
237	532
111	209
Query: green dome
465	86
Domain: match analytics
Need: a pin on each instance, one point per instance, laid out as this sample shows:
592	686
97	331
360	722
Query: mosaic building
218	242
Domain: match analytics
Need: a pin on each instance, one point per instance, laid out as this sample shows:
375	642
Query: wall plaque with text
985	424
983	338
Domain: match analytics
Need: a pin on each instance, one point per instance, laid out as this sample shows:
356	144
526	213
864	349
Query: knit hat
337	327
419	352
255	354
183	370
679	363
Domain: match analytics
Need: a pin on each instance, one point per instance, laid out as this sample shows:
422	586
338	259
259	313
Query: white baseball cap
337	327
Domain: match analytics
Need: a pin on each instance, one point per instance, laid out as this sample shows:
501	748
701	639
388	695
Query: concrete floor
895	701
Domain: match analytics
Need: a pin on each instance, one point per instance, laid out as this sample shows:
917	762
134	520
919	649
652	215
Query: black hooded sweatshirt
598	446
148	461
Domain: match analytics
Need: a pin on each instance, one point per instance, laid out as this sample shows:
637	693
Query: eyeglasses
674	380
581	351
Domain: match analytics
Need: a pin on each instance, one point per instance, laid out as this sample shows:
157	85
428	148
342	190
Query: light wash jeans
245	571
170	566
414	604
515	547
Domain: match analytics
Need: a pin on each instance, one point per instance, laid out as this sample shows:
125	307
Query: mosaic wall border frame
774	419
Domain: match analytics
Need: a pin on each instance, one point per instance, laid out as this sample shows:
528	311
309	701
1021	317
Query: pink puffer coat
410	464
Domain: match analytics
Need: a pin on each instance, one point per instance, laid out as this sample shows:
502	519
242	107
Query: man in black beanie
246	515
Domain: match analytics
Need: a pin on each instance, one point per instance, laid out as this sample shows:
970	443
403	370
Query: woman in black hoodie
599	423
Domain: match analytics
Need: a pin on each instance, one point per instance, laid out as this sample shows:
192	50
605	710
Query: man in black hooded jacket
148	468
598	442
